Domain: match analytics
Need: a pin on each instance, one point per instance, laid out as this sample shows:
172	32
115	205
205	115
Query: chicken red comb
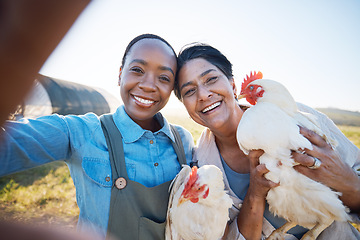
253	76
193	176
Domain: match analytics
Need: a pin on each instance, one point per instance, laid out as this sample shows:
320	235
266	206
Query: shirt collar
131	131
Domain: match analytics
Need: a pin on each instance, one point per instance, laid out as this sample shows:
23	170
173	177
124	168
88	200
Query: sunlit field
46	194
352	133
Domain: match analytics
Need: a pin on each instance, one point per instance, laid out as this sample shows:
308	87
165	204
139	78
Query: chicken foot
313	233
279	233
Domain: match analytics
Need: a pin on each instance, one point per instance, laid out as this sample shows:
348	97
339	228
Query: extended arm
30	143
29	32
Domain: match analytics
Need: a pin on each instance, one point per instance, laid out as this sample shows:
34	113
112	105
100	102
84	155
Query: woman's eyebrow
201	75
167	69
139	61
206	72
164	68
186	84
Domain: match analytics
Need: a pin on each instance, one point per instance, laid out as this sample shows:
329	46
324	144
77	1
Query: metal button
156	164
151	141
120	183
107	179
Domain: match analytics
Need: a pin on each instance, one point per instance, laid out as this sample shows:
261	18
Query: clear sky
311	46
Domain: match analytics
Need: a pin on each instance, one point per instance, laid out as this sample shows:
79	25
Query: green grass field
352	133
46	194
43	195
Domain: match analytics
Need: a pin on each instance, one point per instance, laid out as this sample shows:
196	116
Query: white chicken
273	126
198	205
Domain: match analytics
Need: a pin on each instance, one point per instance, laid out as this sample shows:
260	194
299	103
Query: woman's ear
232	82
120	71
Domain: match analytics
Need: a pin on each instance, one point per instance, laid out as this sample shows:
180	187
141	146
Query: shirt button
151	141
120	183
156	164
107	179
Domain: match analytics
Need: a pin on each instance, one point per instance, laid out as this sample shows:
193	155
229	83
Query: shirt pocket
98	170
131	171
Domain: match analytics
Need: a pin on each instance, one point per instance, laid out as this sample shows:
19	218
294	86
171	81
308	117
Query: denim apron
136	211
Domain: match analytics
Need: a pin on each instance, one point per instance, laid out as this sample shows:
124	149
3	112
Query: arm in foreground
250	217
30	31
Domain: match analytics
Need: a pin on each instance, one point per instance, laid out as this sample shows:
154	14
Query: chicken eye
251	88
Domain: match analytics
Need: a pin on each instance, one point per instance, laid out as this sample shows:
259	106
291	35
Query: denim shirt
79	141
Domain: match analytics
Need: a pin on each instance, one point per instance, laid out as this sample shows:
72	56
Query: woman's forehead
151	44
197	67
152	51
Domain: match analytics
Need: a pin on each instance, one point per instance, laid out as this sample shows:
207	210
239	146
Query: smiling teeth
143	100
211	107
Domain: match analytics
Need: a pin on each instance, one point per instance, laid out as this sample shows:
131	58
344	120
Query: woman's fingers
258	172
320	150
254	156
314	138
306	160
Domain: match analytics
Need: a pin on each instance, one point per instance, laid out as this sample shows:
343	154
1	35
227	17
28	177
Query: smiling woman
149	152
208	92
146	80
202	75
208	82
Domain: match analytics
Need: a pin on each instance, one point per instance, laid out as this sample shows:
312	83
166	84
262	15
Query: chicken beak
181	200
241	96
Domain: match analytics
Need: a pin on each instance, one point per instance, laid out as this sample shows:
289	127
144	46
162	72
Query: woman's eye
211	79
165	78
189	92
136	69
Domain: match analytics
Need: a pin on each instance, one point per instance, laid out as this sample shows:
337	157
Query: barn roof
50	95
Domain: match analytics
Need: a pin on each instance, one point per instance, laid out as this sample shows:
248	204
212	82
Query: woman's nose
148	83
204	93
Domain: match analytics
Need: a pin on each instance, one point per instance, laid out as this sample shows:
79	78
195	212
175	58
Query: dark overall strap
108	126
178	146
118	166
114	143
